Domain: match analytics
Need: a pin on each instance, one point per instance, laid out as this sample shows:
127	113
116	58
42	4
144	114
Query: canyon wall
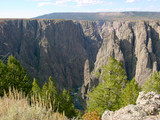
73	51
133	43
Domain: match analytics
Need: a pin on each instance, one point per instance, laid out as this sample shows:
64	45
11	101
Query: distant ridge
103	16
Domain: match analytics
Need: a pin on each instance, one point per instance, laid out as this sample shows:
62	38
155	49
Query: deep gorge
70	51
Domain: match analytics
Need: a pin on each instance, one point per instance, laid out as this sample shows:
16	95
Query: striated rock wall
134	43
73	51
46	48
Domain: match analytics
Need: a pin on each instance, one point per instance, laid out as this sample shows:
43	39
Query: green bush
107	94
13	75
153	83
130	93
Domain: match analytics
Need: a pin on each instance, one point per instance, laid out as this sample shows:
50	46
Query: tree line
13	75
114	92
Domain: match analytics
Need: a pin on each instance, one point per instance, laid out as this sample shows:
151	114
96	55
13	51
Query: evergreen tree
44	93
153	83
107	94
17	75
52	90
66	104
3	78
35	87
130	93
14	75
53	93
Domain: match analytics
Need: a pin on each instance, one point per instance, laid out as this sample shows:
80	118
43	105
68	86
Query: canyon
72	52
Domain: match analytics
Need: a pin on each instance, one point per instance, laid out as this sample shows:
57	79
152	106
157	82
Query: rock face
46	48
147	108
73	51
134	43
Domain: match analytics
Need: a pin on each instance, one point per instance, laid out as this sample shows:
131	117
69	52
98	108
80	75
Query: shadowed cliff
73	51
49	47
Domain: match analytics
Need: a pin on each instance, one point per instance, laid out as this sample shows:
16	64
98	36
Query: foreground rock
147	108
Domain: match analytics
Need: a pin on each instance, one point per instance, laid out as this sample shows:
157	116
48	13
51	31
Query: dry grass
16	106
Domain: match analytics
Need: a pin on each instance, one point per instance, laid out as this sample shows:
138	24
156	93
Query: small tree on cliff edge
153	83
107	94
130	93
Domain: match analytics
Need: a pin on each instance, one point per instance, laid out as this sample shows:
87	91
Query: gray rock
147	108
60	48
133	43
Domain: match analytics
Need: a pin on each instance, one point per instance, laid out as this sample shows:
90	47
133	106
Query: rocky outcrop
133	43
147	108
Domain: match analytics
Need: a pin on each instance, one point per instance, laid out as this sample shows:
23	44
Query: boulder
147	108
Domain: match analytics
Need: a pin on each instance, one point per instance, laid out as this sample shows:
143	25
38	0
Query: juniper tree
130	93
107	94
152	83
14	75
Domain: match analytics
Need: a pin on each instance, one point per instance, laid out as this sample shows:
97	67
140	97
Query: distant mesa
110	16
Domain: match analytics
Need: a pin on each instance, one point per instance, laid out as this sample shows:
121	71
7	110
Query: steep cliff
46	48
73	51
134	43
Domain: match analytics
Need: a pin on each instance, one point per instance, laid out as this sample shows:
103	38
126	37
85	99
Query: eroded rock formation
134	43
67	49
46	48
147	108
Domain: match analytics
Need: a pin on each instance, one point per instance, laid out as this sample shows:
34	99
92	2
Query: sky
34	8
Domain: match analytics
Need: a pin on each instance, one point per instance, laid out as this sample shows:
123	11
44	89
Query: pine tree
14	75
52	90
53	93
3	78
107	94
17	75
44	92
130	93
36	90
66	104
153	83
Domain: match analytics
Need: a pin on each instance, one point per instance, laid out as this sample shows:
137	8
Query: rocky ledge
147	108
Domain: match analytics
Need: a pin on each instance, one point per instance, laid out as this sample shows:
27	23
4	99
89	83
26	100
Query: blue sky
33	8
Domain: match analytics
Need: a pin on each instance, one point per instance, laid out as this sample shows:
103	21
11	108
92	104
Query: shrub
130	93
16	106
153	83
91	116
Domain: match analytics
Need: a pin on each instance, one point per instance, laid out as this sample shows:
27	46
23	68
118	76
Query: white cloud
119	9
131	1
88	2
45	3
64	2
